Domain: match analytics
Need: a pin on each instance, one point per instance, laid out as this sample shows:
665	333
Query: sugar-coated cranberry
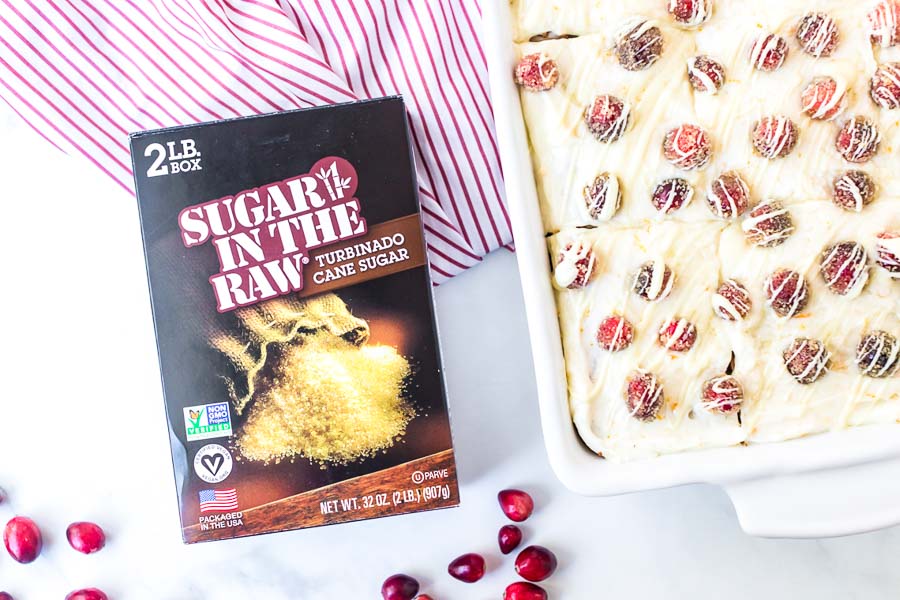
706	75
653	281
85	537
537	72
768	52
671	195
508	538
644	395
722	394
615	333
535	563
845	267
639	46
823	100
878	354
22	539
728	195
774	136
853	190
399	587
87	594
690	13
575	266
468	568
607	118
603	197
769	224
806	360
817	34
887	251
523	590
732	301
884	23
787	292
687	147
858	140
677	335
885	86
516	504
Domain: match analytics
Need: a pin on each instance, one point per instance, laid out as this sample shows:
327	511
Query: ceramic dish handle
820	504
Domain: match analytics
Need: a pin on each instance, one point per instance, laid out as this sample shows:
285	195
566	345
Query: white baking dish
824	485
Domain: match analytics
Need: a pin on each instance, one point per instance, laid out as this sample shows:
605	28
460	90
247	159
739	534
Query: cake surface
753	150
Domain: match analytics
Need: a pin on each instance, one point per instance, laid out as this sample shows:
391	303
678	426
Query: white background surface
83	437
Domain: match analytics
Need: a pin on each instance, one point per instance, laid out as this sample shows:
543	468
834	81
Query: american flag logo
218	500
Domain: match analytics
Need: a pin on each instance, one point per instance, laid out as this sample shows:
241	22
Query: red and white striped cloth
85	73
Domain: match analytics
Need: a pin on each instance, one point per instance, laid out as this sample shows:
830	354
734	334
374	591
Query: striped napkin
86	73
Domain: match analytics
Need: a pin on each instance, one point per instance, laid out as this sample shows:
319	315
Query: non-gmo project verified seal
207	421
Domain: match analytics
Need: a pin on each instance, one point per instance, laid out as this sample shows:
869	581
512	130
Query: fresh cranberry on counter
509	538
468	568
87	594
22	539
516	504
522	590
535	563
399	587
85	537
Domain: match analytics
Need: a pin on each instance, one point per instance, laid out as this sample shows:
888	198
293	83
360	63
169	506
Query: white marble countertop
83	437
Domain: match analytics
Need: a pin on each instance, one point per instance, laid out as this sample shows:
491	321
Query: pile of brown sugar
328	400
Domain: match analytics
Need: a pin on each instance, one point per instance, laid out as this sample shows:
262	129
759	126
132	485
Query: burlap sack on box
280	321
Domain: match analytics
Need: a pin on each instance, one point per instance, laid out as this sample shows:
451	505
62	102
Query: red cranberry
769	52
6	596
774	136
399	587
806	360
787	292
884	23
644	395
732	301
885	86
723	394
535	563
768	224
818	34
640	46
85	537
845	267
671	195
728	195
853	190
516	504
878	354
888	251
603	197
522	590
653	281
822	100
576	266
509	538
607	118
678	335
424	597
615	333
468	568
687	147
537	72
87	594
858	140
706	75
22	539
690	13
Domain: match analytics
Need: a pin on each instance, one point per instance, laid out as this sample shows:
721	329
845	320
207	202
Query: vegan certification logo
207	421
213	463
